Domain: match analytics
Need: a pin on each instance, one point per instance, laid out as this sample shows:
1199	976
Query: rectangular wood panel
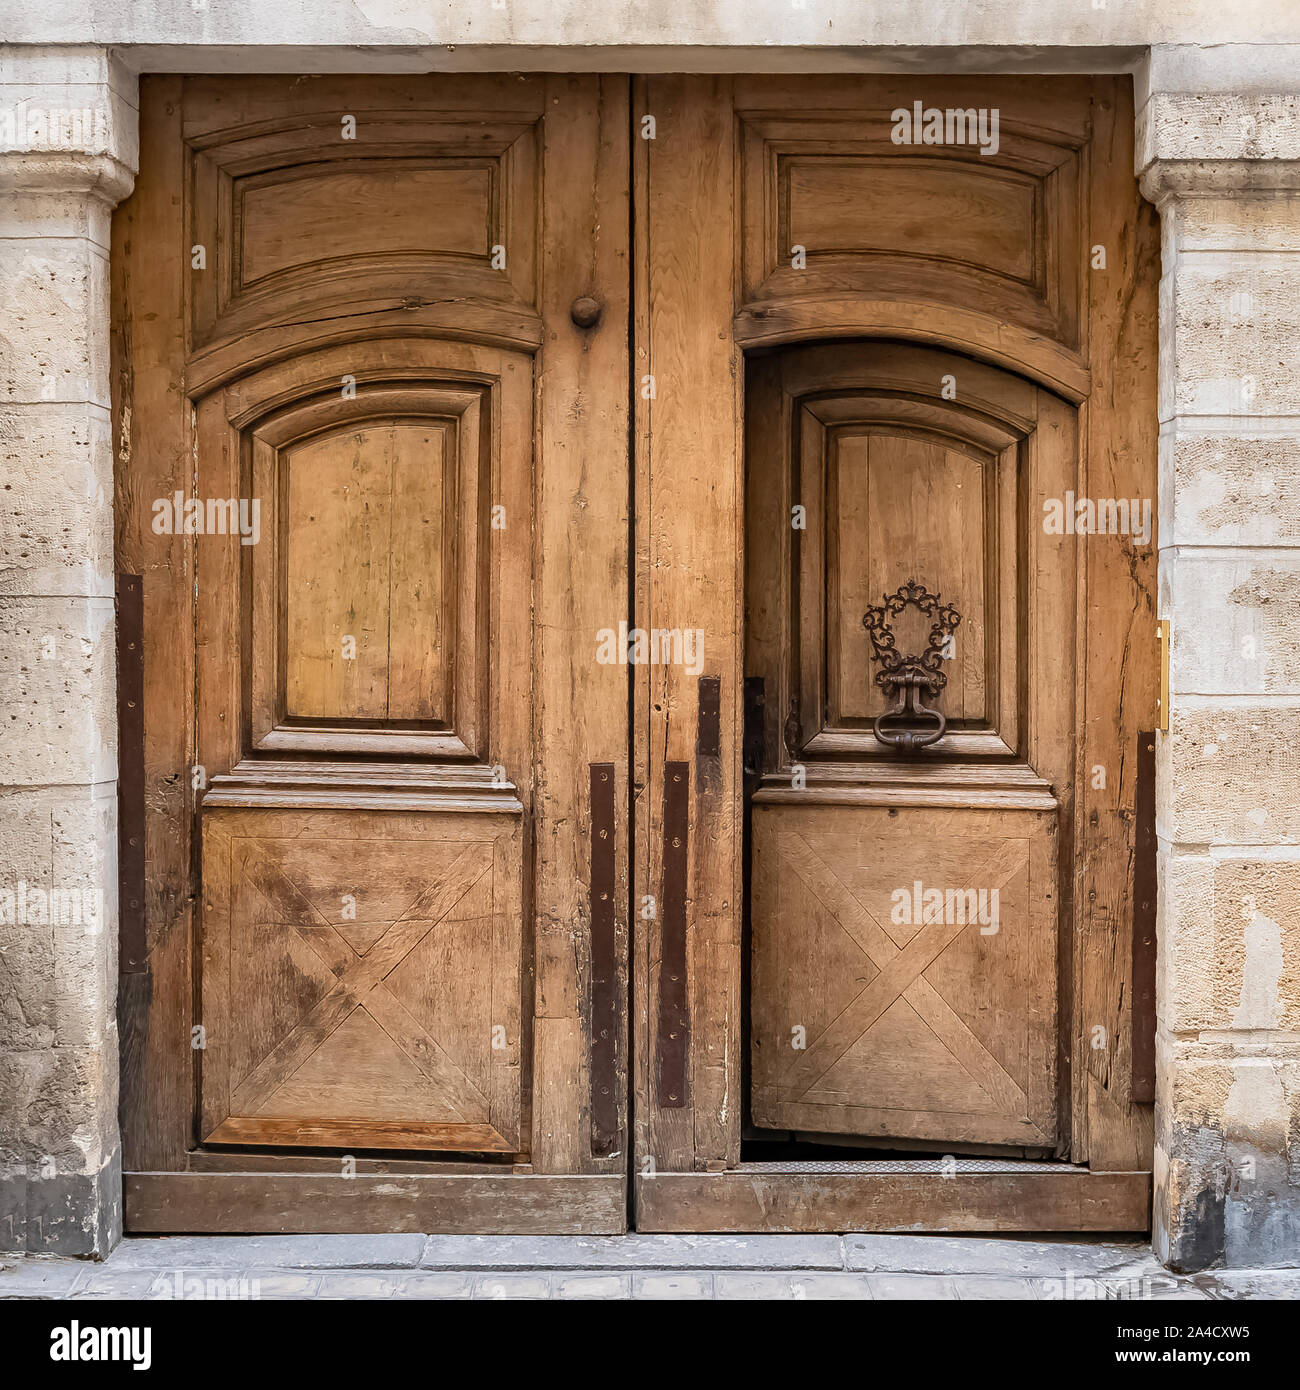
362	980
312	217
905	505
913	208
371	513
904	973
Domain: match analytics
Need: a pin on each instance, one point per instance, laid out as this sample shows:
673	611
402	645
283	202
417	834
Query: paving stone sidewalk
632	1266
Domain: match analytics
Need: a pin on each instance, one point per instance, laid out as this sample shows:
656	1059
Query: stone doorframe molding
1218	152
68	126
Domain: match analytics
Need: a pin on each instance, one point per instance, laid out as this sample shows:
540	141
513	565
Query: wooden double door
459	511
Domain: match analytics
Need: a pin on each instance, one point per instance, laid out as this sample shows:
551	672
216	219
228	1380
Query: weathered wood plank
437	1204
152	460
688	539
749	1200
581	588
1119	661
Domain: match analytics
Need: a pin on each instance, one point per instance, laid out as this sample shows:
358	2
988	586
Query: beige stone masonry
1224	169
67	155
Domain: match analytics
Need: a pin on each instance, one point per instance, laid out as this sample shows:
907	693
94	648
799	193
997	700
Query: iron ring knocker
905	677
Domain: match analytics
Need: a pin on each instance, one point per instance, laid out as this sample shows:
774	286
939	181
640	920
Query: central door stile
686	1065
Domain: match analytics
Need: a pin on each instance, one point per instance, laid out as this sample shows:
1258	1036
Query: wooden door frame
692	324
684	902
575	1177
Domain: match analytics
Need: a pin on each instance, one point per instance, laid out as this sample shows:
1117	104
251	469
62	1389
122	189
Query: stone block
56	489
1238	621
1226	774
1227	1176
1229	943
1230	324
1229	490
1267	221
53	321
58	704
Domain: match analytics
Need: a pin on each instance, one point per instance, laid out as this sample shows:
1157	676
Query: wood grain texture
366	626
689	513
806	149
855	1030
1119	657
365	552
582	587
882	1009
750	1199
427	488
875	220
479	688
152	459
401	213
392	1203
362	977
895	482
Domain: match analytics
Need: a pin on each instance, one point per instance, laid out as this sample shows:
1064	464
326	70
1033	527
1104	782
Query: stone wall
1224	168
69	156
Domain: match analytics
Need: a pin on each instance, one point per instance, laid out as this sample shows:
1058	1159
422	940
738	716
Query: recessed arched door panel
376	615
904	899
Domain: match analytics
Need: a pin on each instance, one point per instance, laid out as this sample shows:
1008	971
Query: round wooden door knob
585	312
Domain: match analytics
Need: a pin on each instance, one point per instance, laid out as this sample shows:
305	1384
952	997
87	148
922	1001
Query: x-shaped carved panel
901	976
360	980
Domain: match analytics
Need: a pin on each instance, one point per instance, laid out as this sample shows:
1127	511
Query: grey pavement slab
357	1284
786	1286
512	1286
729	1267
1242	1283
106	1283
972	1288
981	1255
276	1283
206	1282
634	1252
912	1286
591	1285
672	1286
433	1285
269	1252
40	1276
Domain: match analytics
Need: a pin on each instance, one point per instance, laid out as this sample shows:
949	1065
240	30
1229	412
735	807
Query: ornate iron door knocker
904	677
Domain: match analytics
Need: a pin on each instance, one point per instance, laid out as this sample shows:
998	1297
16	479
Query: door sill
902	1195
489	1203
941	1165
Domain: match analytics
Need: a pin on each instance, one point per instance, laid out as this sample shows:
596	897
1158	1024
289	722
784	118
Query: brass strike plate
1162	707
